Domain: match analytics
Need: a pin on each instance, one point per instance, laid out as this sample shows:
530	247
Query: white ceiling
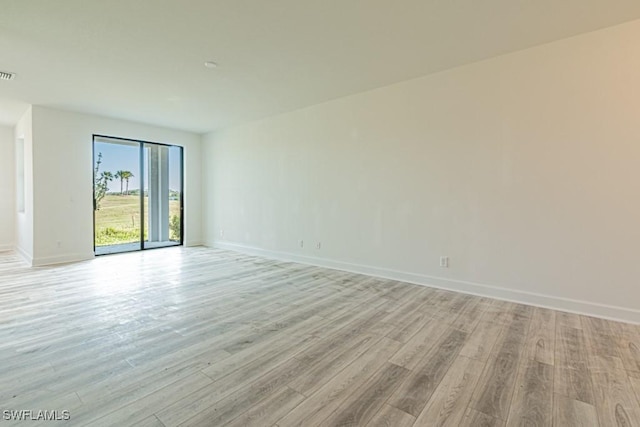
143	60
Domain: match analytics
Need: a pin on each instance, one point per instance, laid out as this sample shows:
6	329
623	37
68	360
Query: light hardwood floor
195	336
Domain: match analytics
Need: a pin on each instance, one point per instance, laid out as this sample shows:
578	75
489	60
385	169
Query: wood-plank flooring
203	337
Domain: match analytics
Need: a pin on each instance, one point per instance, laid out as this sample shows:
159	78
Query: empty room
320	213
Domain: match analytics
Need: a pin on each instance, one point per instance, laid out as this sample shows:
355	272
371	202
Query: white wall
523	169
7	188
24	219
63	162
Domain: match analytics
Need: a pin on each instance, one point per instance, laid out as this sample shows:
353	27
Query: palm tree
119	175
126	175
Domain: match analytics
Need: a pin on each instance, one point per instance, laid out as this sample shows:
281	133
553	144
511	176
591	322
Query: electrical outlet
301	243
221	232
318	245
444	261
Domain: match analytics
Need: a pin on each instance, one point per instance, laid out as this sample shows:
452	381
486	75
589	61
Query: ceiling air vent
6	76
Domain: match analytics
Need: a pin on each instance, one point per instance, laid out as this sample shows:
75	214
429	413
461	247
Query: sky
117	157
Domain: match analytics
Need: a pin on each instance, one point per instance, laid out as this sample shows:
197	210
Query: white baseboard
24	255
7	247
60	259
530	298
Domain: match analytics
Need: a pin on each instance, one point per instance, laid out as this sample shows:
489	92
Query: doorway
137	195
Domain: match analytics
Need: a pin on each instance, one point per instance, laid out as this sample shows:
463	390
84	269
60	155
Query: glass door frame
141	144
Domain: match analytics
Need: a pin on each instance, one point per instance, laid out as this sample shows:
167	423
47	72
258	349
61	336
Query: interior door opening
138	195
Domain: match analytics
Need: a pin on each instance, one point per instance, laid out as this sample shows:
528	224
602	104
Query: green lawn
118	219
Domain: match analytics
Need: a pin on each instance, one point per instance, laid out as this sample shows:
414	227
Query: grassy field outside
118	219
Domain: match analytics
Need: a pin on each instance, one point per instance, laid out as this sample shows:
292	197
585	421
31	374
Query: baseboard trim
7	247
530	298
60	259
24	255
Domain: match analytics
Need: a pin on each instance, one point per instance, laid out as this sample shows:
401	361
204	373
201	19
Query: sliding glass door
117	211
162	195
138	199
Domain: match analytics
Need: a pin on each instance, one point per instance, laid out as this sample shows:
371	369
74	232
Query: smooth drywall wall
7	188
524	170
63	177
23	132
